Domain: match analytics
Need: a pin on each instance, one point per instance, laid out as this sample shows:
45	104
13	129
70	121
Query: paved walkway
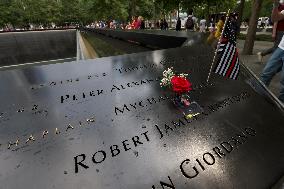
251	61
263	32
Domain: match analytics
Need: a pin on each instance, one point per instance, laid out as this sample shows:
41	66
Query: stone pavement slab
252	62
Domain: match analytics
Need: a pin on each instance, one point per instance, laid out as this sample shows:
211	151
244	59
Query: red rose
180	85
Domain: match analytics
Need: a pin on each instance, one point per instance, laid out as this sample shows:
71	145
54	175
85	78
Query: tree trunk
170	20
240	16
178	11
155	19
249	43
132	9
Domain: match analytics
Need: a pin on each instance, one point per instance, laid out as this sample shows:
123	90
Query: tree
44	12
207	7
143	8
52	11
265	8
11	13
164	7
247	10
264	11
249	42
109	9
240	11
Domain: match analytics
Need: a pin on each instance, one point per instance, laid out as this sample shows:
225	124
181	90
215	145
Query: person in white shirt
202	24
275	63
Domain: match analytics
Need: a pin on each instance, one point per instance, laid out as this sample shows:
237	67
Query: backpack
189	24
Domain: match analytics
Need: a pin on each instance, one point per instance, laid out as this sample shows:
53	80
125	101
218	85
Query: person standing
262	22
190	22
135	23
277	34
202	24
218	32
178	25
219	28
141	23
158	24
150	25
275	63
142	27
166	25
138	23
267	22
162	26
211	37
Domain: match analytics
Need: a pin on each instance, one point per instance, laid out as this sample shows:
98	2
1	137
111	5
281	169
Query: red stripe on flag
232	65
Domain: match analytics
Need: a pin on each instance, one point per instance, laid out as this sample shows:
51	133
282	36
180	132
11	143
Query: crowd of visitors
190	23
138	22
33	27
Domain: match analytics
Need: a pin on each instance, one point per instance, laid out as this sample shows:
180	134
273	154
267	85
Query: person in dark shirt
166	25
142	23
178	26
158	24
150	25
162	24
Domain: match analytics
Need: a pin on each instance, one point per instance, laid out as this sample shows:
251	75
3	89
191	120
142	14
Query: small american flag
227	54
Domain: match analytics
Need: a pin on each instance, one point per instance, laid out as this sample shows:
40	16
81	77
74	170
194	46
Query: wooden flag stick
218	45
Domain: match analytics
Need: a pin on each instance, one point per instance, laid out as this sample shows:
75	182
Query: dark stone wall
154	39
27	47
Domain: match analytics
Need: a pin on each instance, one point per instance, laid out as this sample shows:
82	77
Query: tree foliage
23	12
265	10
207	7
